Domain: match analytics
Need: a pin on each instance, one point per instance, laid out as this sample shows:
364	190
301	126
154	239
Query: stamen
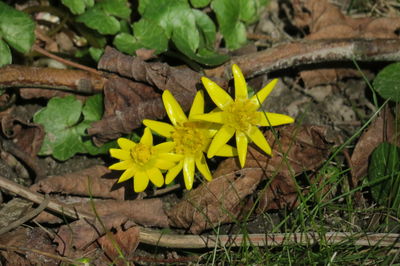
242	115
141	153
189	138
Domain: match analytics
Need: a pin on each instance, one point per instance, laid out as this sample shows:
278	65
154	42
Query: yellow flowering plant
240	116
143	161
191	138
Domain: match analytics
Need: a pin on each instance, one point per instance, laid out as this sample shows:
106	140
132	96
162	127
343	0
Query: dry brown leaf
27	238
127	102
146	212
219	201
127	241
326	21
74	238
27	136
380	130
222	200
77	183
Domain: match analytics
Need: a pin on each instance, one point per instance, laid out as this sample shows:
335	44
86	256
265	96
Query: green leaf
387	82
16	28
186	31
59	119
95	18
384	175
200	3
206	28
168	14
228	16
5	54
118	8
248	10
143	5
126	43
93	111
150	35
77	7
65	132
96	53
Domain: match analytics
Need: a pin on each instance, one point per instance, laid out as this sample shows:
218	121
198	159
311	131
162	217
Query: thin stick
38	198
64	61
26	217
149	236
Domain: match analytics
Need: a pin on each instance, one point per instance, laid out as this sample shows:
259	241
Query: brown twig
64	61
78	81
302	53
38	198
153	237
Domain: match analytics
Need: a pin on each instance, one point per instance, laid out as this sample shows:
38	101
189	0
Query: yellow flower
143	161
240	116
191	138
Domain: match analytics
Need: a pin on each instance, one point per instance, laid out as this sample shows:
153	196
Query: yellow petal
216	117
201	164
155	176
173	172
188	171
164	147
241	143
147	137
126	144
240	83
174	110
258	138
140	181
273	119
127	174
170	157
160	128
219	96
260	96
222	137
120	154
197	105
227	151
121	165
163	164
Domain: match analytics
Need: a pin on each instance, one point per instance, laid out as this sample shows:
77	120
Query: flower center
189	138
141	153
242	114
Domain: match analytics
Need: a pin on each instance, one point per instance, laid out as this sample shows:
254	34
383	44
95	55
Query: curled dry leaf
73	239
146	212
222	200
127	241
127	103
326	21
77	183
29	239
219	201
380	130
27	136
